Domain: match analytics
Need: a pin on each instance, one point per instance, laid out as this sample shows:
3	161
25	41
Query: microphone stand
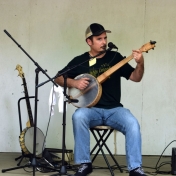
33	163
63	170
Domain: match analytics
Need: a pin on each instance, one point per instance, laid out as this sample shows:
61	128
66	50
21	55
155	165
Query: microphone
111	45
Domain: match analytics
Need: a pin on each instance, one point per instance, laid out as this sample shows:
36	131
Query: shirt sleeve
126	71
70	70
77	66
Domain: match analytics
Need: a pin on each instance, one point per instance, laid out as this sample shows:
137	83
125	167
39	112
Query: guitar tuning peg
146	51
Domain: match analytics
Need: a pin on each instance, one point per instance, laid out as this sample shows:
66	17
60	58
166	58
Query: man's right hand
81	83
76	83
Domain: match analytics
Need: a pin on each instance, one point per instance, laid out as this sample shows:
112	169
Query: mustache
104	47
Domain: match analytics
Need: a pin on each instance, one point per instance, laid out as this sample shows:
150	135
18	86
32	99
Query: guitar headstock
148	46
19	68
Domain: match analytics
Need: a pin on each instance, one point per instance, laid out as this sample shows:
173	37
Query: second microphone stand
33	161
63	170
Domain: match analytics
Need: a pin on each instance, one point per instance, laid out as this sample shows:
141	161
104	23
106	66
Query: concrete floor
7	160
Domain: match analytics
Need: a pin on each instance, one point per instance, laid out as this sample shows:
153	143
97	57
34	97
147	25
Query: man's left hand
137	55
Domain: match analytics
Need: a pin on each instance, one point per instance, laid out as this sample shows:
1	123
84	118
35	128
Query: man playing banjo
108	110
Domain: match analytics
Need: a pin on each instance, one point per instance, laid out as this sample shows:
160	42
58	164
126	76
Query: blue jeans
118	118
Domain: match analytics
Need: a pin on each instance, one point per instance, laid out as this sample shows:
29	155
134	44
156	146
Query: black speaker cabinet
173	164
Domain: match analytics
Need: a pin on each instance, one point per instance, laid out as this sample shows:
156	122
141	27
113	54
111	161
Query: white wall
52	33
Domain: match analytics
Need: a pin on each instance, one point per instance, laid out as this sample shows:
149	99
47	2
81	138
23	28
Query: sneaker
84	169
137	172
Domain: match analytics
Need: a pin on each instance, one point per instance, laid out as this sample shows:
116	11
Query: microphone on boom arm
111	45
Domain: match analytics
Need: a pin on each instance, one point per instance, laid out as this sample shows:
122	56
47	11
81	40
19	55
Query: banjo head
90	95
26	140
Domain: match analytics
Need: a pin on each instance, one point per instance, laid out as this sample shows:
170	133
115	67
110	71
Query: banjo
26	136
92	93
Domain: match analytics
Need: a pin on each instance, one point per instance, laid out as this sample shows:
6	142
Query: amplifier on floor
173	161
58	154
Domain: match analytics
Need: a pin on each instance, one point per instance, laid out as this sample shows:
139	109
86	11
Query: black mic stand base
31	164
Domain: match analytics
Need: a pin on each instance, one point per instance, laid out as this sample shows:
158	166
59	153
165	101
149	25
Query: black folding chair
101	134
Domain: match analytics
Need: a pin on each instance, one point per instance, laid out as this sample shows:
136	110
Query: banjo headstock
19	68
148	46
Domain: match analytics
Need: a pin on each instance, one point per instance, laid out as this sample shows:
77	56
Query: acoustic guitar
92	93
26	136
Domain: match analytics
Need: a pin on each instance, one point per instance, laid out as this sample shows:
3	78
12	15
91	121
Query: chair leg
97	144
102	136
104	144
105	158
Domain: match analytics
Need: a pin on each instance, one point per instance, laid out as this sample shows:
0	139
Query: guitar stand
33	162
20	123
22	157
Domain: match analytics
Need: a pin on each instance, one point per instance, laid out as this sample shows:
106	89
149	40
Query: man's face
98	43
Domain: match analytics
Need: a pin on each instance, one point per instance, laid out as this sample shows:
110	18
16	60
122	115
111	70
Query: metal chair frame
101	139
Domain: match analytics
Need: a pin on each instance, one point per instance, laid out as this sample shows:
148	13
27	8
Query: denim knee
133	126
79	116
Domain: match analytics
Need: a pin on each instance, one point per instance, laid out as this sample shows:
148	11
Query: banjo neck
21	74
114	68
110	71
30	122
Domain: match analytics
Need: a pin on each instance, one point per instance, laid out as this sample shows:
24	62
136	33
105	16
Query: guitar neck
28	103
114	68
